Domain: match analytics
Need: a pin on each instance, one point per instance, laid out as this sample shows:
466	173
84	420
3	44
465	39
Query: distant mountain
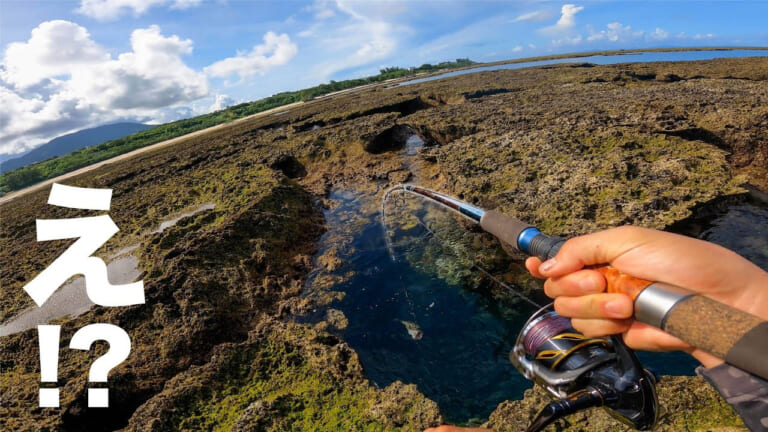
74	141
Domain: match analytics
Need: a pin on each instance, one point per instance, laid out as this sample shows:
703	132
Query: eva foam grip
505	228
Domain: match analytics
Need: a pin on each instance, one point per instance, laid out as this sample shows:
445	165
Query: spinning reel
583	372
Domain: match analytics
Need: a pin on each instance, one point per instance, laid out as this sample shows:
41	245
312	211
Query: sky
69	65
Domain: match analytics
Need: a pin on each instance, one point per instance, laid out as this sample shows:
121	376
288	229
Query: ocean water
607	59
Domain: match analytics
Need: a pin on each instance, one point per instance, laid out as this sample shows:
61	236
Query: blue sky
67	65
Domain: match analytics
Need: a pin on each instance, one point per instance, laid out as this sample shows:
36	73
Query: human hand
693	264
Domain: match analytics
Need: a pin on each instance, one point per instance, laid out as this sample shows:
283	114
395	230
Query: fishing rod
739	336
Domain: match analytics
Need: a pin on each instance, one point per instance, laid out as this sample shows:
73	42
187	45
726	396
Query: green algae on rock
571	149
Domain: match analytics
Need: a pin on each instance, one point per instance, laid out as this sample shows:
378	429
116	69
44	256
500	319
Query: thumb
599	248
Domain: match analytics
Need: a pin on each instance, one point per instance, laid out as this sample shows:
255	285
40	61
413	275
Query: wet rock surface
572	149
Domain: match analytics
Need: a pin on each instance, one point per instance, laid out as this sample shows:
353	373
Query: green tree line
31	174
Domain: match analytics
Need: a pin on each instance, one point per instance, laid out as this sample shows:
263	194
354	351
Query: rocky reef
572	148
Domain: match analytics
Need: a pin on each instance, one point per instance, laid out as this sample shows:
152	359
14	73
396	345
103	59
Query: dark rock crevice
391	139
698	134
488	92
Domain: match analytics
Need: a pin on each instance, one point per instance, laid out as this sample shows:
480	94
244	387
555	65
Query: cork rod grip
620	283
738	337
709	325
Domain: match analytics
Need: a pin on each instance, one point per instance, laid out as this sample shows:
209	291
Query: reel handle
736	336
733	335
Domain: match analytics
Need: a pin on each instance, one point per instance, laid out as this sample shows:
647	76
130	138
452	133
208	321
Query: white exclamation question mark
49	363
119	349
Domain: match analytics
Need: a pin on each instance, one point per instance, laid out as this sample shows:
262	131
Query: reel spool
583	372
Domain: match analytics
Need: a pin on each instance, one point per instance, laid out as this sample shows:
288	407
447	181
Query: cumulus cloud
107	10
535	16
55	48
222	101
616	32
47	93
567	19
659	34
567	40
276	50
517	48
153	75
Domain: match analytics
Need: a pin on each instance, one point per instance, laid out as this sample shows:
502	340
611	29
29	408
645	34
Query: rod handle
505	228
738	337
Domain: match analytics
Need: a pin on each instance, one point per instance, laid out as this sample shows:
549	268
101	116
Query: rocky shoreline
572	148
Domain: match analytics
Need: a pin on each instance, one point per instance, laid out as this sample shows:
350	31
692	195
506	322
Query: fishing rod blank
731	334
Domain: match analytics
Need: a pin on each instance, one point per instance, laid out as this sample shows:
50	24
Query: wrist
757	293
706	359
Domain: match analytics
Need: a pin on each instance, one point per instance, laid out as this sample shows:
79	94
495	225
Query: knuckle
549	289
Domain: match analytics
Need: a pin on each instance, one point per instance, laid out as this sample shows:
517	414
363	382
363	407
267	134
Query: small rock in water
336	319
413	329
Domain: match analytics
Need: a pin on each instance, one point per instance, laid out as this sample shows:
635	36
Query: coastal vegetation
31	174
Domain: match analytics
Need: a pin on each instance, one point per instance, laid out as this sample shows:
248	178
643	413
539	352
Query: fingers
600	327
636	335
532	265
579	283
647	338
599	248
617	306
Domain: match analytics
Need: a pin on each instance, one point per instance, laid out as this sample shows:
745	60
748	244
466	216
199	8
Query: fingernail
615	308
547	265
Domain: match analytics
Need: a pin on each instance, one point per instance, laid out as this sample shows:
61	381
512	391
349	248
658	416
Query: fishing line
441	242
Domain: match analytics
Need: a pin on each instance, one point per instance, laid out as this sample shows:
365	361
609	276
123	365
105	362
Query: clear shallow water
461	359
607	59
743	229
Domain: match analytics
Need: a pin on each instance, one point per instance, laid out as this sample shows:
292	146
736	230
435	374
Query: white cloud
46	93
276	50
222	101
617	32
659	34
567	40
322	9
185	4
107	10
704	36
567	20
362	33
535	16
517	48
153	75
55	48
